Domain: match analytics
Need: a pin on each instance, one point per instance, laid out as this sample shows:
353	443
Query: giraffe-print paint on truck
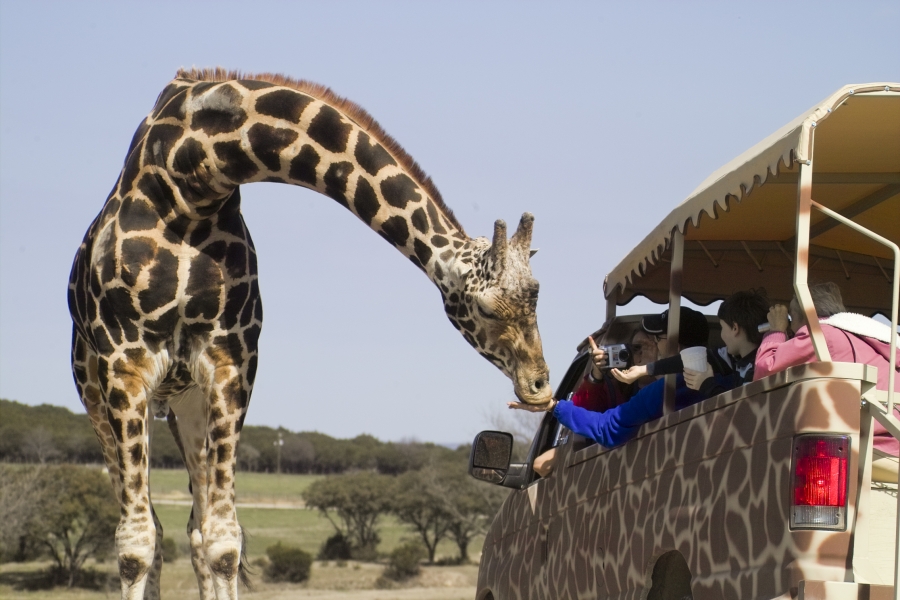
165	299
704	492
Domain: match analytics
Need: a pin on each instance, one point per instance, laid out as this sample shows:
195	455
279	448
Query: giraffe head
495	309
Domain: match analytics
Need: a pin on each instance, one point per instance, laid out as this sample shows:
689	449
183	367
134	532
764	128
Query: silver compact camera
617	356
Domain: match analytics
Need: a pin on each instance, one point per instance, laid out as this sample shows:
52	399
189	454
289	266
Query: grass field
254	488
298	527
295	526
266	526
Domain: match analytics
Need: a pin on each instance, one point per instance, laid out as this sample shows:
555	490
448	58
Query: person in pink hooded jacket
850	337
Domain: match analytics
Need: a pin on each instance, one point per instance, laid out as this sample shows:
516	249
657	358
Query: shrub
403	562
169	550
364	554
287	563
86	578
337	547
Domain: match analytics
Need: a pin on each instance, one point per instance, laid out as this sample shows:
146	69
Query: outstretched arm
664	366
617	425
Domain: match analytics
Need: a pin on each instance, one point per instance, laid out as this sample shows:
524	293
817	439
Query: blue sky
596	117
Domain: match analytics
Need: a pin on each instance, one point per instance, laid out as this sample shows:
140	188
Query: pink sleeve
777	353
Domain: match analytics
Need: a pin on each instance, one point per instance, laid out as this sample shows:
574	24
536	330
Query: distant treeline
48	434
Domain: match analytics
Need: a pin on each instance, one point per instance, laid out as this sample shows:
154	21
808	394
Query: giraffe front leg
187	422
136	535
198	559
152	592
222	536
117	431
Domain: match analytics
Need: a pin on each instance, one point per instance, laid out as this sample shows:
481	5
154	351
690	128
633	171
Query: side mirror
489	458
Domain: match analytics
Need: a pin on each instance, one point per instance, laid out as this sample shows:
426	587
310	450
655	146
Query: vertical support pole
674	314
864	526
611	306
895	301
801	262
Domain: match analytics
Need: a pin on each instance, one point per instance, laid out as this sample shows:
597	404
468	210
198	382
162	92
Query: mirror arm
521	475
517	476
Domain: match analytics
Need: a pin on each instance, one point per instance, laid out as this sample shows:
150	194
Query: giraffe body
165	299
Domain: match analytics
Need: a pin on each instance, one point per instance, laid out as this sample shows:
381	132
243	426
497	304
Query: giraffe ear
532	252
499	246
522	238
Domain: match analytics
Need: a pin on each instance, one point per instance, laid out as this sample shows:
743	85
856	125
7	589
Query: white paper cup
694	358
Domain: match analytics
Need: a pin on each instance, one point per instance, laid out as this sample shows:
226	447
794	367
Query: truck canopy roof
739	224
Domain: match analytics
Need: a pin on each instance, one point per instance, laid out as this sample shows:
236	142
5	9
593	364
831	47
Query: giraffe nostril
539	384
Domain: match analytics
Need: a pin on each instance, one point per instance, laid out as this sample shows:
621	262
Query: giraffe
165	300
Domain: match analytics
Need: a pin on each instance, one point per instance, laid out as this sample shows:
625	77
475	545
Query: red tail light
819	481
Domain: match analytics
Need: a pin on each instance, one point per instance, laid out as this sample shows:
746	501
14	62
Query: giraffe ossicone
165	300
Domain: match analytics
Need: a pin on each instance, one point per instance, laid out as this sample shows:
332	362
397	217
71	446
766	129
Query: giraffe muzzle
534	389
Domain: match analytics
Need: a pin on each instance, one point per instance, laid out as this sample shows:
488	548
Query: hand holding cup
694	379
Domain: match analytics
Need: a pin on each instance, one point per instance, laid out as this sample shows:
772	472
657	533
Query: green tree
297	455
45	432
54	434
76	518
470	504
419	504
441	500
164	452
21	489
247	457
357	500
395	458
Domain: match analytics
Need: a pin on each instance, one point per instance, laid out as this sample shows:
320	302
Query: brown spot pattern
164	294
690	482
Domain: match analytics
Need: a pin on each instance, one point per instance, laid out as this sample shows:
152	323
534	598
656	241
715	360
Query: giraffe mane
357	113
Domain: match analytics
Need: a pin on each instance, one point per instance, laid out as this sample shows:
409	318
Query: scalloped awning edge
734	181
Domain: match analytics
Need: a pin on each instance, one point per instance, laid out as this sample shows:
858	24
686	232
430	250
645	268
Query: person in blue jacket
739	315
618	425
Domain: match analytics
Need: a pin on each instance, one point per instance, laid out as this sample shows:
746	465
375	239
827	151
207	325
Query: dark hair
693	330
748	309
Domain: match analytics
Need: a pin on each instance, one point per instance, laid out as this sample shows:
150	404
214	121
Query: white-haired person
850	337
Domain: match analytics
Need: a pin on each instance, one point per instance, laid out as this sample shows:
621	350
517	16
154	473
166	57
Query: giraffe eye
484	313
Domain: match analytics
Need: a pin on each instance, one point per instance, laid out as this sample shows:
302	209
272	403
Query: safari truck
767	490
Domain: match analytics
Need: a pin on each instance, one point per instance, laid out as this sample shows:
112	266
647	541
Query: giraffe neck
205	138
